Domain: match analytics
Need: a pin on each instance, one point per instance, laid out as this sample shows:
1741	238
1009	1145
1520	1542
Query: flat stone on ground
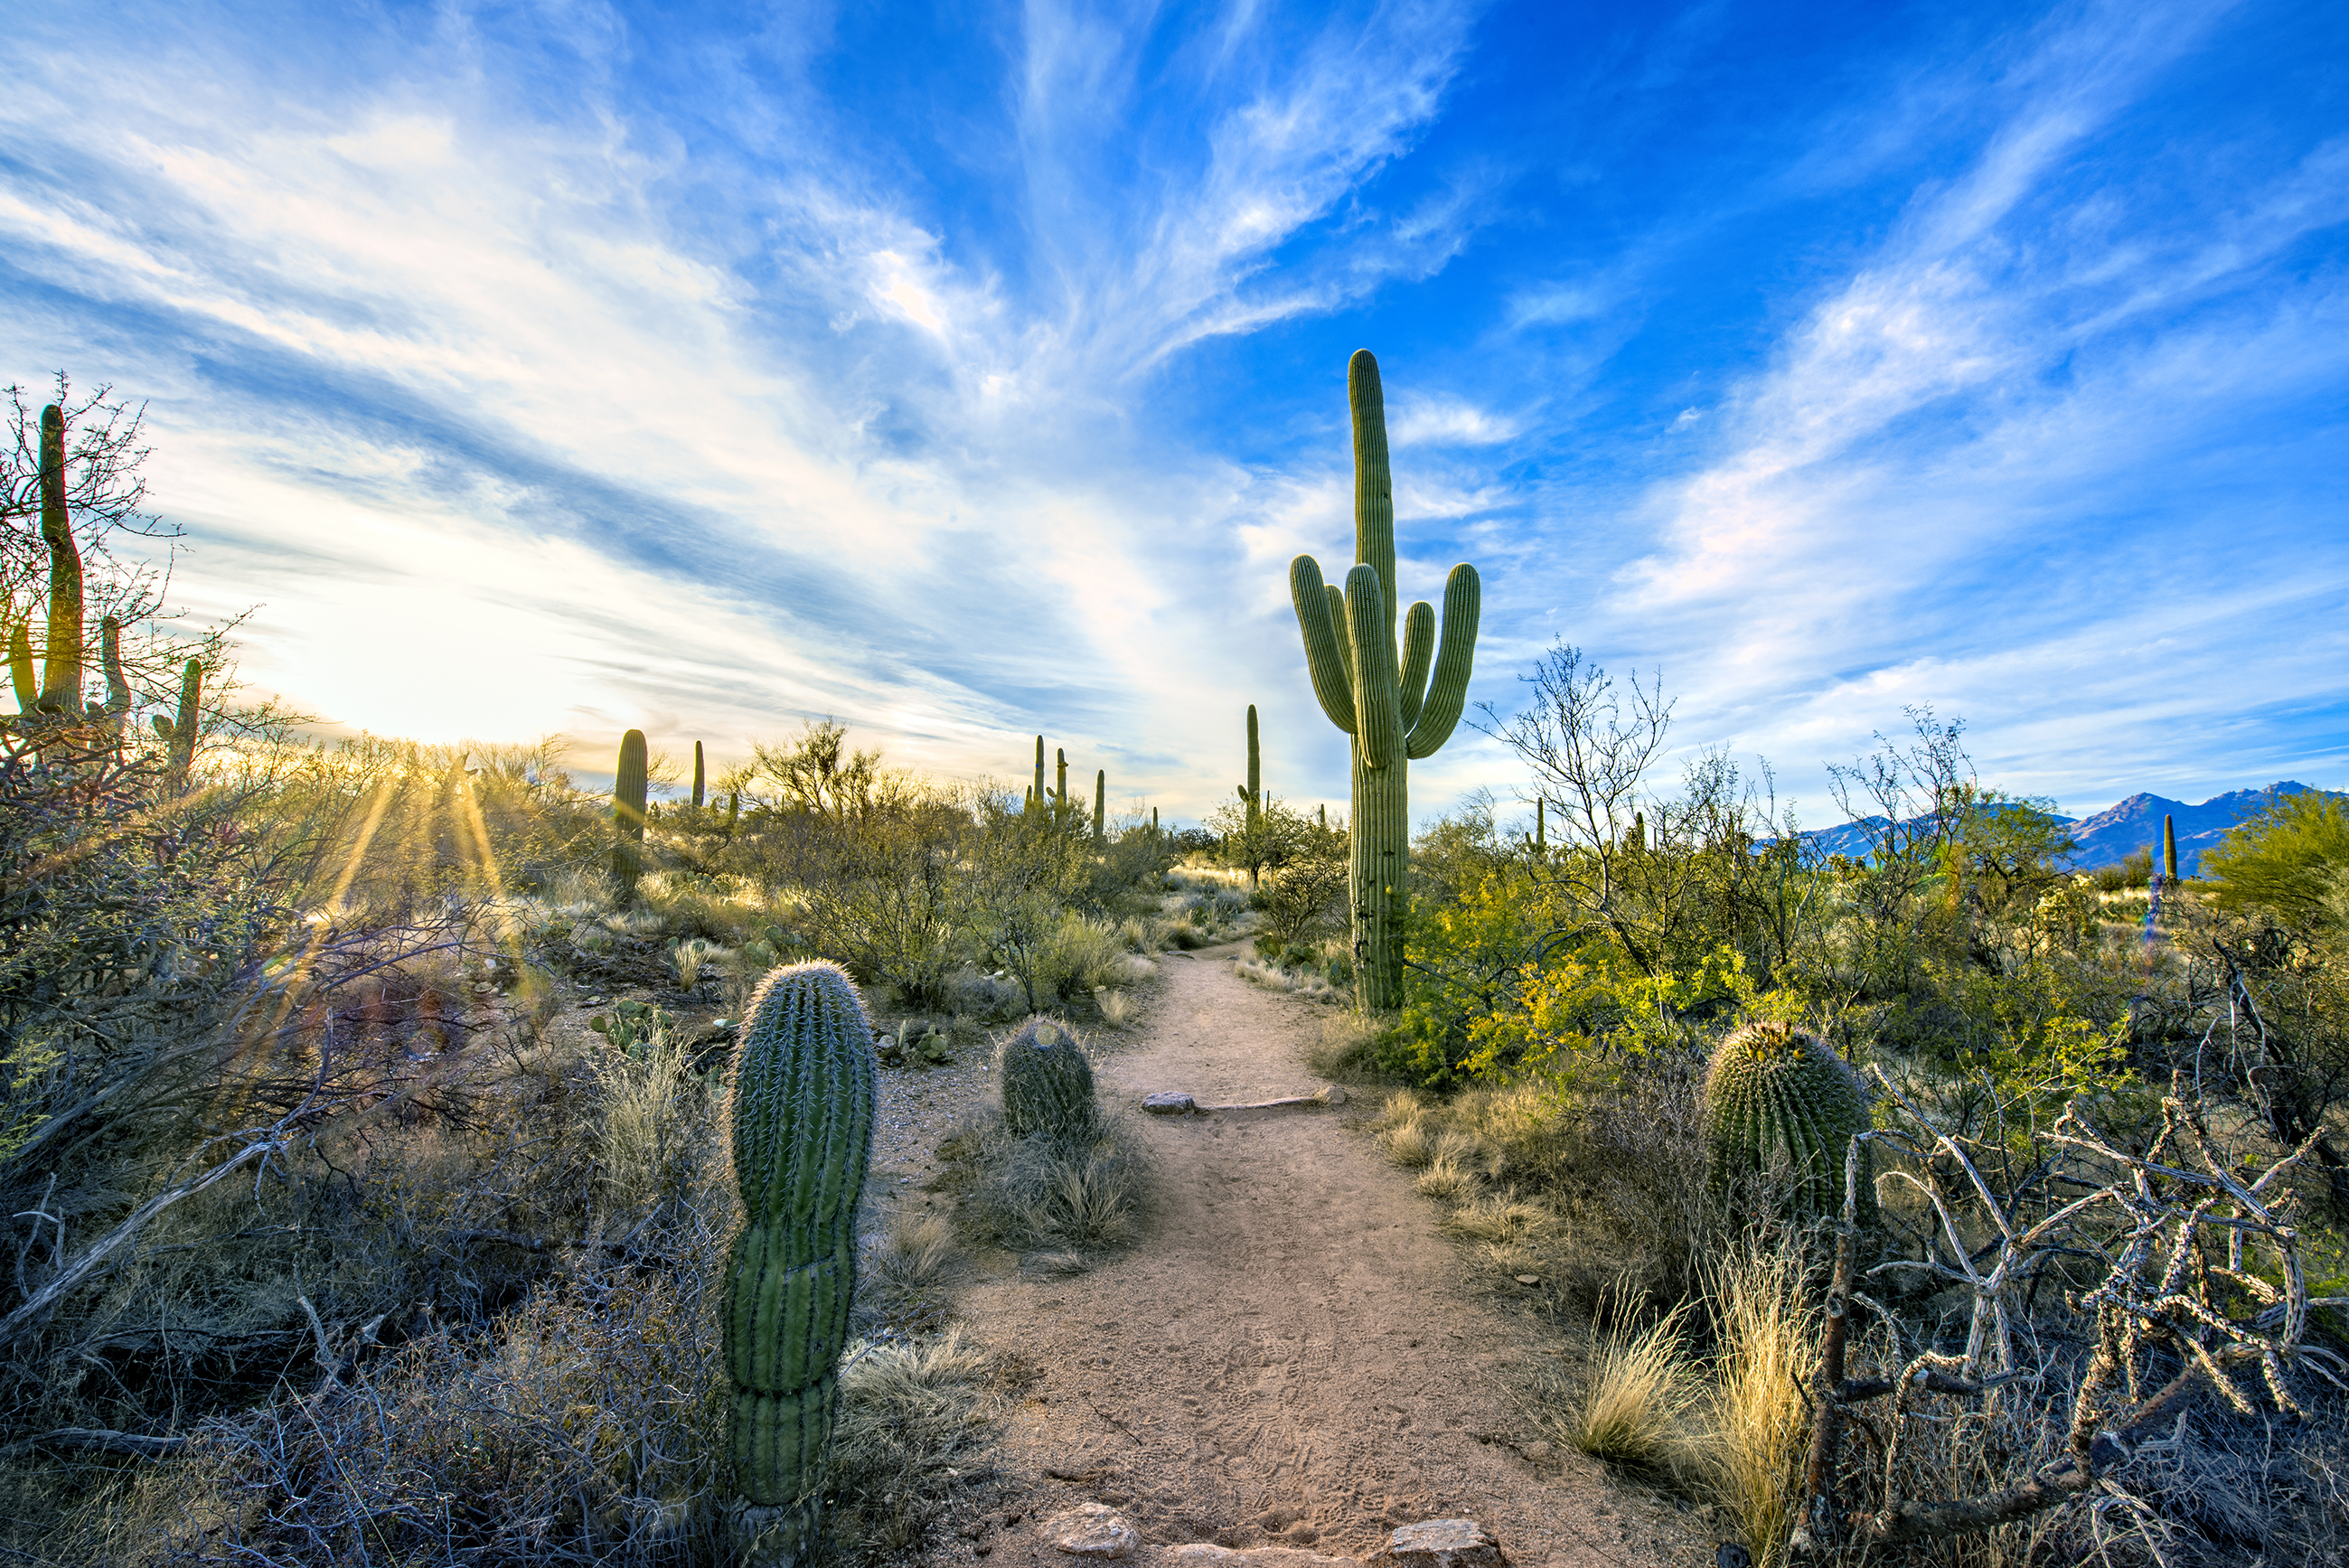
1091	1530
1207	1554
1169	1102
1443	1543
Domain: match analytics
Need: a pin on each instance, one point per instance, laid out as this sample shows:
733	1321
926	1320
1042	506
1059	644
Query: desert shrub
916	1417
1639	1387
1045	1195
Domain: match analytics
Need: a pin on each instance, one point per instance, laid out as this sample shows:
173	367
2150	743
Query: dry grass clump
1116	1007
1497	1217
915	1418
1045	1194
1344	1052
1445	1180
1760	1419
1638	1391
906	1272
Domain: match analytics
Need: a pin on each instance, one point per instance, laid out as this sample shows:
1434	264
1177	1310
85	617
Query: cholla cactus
1775	1087
1048	1084
804	1086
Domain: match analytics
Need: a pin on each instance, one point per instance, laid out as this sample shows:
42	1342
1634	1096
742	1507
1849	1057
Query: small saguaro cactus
697	775
2168	849
179	733
1036	794
1048	1084
629	783
1394	708
1061	784
1153	824
117	690
804	1086
1774	1087
20	665
1101	804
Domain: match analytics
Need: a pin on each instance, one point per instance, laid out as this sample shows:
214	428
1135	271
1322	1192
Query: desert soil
1291	1354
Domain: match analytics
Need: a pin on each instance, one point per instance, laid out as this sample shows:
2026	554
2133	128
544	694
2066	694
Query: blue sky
967	371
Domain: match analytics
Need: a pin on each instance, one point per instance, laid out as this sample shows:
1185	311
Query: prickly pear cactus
630	1027
1048	1084
1770	1089
805	1084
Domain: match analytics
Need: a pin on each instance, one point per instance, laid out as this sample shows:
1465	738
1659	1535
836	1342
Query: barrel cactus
1773	1087
805	1087
1048	1084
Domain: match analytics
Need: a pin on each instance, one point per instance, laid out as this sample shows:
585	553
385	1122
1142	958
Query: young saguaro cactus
1772	1087
1048	1084
180	733
2168	850
697	775
1101	804
803	1095
1036	795
1394	709
629	779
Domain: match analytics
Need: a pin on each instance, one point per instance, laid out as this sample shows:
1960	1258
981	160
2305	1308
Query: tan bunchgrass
689	955
1115	1006
1639	1390
1445	1180
1760	1423
1497	1217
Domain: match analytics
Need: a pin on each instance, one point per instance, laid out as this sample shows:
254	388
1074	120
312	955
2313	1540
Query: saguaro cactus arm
1327	652
1447	691
1418	652
1370	625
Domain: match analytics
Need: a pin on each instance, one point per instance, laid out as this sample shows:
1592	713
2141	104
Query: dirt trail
1291	1354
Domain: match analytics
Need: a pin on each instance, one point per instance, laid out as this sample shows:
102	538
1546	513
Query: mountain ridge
2106	837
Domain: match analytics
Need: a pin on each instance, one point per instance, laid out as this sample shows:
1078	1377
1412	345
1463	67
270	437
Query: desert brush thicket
1988	1227
328	1243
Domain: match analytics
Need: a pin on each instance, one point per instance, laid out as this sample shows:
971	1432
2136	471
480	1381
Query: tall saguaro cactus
1101	804
1394	708
1252	804
180	735
804	1087
2168	850
697	775
61	673
1035	796
1061	784
629	783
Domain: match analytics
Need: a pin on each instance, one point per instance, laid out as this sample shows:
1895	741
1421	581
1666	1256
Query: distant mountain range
2118	832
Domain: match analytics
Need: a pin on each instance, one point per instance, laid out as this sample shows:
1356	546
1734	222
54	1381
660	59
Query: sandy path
1291	1354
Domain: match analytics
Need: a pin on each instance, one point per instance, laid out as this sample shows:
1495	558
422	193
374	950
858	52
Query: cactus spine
1392	709
1101	804
802	1118
61	674
629	783
1770	1087
2168	848
1048	1084
697	775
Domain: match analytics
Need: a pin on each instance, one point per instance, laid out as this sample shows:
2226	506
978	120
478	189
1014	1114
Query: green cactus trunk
1061	784
1541	828
1773	1090
697	775
628	785
1101	804
2168	849
61	674
1036	794
117	690
804	1089
1153	824
1394	709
